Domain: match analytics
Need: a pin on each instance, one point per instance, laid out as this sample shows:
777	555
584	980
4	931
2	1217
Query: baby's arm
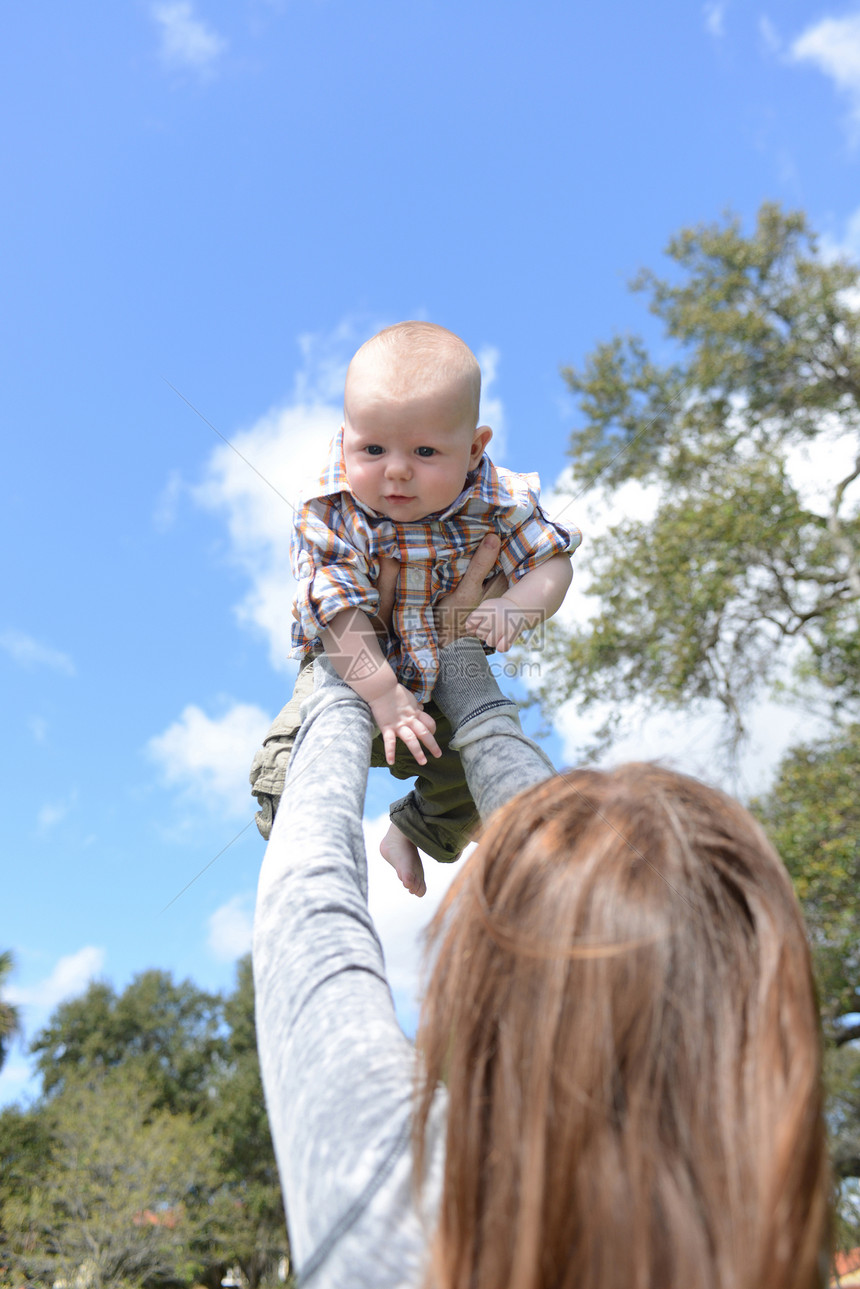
350	643
536	596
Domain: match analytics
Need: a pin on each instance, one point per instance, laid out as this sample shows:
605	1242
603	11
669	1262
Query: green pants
438	814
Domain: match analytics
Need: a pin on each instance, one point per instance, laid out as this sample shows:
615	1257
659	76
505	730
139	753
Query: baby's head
410	428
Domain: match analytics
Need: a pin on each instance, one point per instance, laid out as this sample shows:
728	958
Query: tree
703	600
248	1212
812	814
123	1193
88	1178
171	1032
25	1154
10	1018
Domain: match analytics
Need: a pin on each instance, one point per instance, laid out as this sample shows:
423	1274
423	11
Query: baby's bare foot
402	855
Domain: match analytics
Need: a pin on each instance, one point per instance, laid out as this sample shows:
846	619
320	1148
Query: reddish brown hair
622	1009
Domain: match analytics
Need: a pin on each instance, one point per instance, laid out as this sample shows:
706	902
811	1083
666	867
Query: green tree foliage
123	1193
172	1033
248	1216
147	1160
812	815
10	1020
700	601
25	1154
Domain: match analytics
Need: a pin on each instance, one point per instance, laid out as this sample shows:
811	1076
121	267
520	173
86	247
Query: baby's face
408	457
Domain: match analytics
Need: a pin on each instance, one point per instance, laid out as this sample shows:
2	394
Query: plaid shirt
337	544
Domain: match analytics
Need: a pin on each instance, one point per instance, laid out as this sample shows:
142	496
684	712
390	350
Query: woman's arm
337	1070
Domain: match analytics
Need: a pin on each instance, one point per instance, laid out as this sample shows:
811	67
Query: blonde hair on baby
415	359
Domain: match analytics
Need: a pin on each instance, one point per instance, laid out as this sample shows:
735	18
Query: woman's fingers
468	591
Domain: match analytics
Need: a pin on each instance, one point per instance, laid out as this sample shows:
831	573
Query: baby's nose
397	467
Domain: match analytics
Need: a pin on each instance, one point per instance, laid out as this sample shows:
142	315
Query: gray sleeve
337	1070
498	758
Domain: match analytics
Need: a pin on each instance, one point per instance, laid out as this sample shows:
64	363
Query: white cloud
815	468
70	976
230	928
690	742
715	17
28	652
187	41
286	447
255	483
594	512
210	758
833	45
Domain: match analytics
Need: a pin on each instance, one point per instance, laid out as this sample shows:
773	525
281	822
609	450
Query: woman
618	1060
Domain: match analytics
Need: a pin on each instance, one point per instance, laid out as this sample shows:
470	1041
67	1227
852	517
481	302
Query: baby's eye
374	449
426	452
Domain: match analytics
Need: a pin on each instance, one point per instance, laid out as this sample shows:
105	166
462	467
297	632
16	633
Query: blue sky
228	199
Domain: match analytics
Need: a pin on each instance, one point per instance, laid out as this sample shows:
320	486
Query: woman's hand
454	608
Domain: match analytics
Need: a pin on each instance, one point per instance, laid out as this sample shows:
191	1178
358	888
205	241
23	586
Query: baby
408	478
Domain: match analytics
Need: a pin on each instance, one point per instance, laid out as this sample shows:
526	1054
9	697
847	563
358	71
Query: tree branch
837	533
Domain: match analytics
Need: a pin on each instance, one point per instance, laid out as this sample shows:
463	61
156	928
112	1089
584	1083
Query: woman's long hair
623	1012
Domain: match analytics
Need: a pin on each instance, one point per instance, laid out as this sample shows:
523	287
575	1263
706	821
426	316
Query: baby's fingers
417	730
426	720
425	733
389	742
409	738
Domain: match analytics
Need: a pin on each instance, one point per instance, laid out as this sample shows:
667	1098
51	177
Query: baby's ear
483	434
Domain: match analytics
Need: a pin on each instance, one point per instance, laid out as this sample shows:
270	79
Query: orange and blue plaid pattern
337	544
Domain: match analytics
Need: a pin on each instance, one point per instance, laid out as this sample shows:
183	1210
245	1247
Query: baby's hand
399	715
498	622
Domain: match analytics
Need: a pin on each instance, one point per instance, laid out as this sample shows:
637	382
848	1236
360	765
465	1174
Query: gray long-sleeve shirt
337	1070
